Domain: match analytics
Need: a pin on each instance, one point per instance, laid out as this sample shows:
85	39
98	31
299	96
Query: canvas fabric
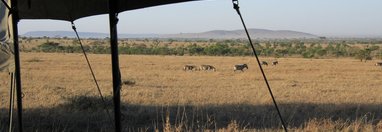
6	52
71	10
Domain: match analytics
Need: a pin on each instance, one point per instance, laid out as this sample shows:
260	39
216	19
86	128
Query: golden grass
313	94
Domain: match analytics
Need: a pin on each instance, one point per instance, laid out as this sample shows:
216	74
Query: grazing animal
240	67
275	63
264	63
378	64
189	68
207	68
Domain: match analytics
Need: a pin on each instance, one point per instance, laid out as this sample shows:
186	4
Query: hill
71	34
255	33
215	34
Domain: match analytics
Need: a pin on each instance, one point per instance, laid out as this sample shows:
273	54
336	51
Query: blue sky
320	17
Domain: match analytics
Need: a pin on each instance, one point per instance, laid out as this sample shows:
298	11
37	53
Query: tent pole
113	20
11	101
15	20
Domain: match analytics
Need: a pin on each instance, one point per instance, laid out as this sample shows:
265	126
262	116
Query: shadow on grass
85	113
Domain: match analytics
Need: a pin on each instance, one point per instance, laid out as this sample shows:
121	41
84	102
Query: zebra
189	67
207	68
274	63
240	67
264	63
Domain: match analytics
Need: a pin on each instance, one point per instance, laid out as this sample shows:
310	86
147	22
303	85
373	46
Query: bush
275	48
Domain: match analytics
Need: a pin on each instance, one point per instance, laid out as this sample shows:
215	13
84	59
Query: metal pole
11	101
113	12
15	20
236	7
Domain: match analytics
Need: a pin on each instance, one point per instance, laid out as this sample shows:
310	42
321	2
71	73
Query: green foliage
218	49
50	47
365	54
195	49
271	48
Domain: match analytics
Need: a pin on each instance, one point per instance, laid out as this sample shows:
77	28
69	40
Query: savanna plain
59	94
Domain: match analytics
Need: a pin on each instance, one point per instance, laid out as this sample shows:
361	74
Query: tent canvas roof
71	10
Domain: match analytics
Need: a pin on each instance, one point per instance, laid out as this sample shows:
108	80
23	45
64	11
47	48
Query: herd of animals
237	67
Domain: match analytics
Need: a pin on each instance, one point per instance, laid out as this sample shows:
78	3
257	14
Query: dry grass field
313	94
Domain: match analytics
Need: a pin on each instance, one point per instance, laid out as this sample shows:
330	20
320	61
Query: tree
364	55
217	49
195	49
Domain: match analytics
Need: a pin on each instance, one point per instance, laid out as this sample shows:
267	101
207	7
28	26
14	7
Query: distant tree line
295	48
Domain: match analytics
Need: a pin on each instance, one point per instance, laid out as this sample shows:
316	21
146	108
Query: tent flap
6	53
71	10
